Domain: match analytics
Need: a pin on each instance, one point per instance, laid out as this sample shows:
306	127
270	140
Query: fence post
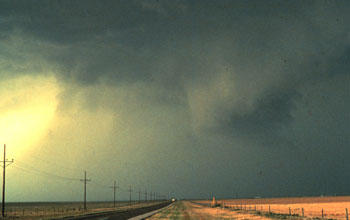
346	214
290	213
322	213
269	209
302	210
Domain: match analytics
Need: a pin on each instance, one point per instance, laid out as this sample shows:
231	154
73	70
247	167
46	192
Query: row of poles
6	162
153	196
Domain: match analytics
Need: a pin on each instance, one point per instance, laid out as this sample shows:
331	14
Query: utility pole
6	163
130	195
139	195
145	195
114	188
85	180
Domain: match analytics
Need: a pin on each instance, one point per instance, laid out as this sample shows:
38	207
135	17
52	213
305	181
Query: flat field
184	210
50	210
310	207
259	209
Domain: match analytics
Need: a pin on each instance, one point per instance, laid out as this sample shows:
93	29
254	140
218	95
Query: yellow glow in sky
27	106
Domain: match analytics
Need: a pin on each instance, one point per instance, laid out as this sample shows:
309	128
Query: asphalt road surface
120	215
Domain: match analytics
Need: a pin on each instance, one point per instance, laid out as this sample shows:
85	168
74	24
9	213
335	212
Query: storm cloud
256	89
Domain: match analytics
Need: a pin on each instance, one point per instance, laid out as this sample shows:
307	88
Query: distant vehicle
173	199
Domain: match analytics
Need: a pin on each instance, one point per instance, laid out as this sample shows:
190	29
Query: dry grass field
310	207
239	209
258	209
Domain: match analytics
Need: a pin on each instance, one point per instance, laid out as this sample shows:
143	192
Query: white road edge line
143	216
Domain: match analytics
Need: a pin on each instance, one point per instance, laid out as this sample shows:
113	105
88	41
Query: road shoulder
149	214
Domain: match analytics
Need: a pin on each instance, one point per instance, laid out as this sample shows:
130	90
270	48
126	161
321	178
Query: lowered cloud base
193	99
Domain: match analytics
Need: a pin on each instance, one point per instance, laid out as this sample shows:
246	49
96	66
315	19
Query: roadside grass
165	212
179	209
175	212
276	215
43	212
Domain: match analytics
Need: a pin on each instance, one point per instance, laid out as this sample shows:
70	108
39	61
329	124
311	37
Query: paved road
149	214
120	215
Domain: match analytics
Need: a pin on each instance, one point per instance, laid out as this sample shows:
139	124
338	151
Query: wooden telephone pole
85	180
114	188
139	195
145	195
6	163
130	190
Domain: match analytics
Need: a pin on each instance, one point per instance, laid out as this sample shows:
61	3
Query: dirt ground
187	210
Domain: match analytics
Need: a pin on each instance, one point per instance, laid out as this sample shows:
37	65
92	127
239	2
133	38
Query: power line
94	182
47	175
25	167
41	172
29	171
55	164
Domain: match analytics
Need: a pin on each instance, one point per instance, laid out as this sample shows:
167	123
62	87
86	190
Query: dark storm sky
224	98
